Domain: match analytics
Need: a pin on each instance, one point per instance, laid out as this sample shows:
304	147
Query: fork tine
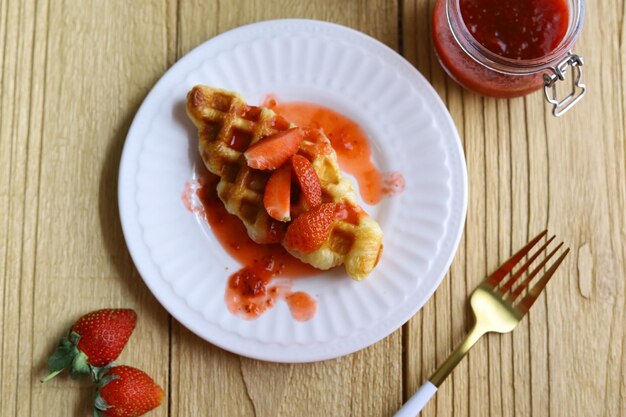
495	278
534	292
530	276
509	284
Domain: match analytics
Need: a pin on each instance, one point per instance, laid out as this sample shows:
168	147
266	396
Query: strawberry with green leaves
94	341
125	391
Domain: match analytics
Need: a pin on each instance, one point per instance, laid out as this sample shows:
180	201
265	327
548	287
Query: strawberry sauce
267	270
349	213
349	141
265	276
516	29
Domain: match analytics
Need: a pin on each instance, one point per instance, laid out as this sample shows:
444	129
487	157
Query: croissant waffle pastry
227	127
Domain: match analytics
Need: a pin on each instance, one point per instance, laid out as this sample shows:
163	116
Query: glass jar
477	68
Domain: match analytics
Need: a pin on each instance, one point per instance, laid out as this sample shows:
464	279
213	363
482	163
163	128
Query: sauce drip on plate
267	270
349	141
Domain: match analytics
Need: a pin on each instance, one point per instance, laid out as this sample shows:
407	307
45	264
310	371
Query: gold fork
496	309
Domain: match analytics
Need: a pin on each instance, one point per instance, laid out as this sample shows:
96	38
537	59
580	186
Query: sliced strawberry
277	194
311	229
273	151
308	180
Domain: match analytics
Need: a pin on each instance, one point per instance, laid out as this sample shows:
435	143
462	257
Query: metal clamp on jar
511	48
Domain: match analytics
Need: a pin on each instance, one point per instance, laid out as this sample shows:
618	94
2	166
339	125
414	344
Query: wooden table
72	75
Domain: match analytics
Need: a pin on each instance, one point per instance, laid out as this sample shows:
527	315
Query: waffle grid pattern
227	127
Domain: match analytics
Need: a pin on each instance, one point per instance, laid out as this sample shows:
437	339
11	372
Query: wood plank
527	171
72	79
503	358
200	20
586	305
421	355
367	383
19	136
520	206
492	139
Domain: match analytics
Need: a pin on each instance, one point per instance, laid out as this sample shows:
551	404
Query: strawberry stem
51	375
97	373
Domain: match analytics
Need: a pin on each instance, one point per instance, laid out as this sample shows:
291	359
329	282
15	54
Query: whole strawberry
125	391
94	341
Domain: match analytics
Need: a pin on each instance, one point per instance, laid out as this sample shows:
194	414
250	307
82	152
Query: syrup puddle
267	271
350	142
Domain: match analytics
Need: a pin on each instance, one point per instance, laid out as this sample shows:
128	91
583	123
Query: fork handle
417	402
446	368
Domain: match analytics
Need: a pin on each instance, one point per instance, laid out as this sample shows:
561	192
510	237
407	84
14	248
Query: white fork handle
417	402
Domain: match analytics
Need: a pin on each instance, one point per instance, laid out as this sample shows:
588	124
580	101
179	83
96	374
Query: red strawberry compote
267	270
350	142
251	291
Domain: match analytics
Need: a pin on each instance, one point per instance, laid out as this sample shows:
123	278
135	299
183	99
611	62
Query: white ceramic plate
410	132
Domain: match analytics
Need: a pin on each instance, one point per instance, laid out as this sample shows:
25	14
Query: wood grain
529	171
72	75
74	78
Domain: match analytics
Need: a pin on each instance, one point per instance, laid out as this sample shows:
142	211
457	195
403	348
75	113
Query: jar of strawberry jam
510	48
